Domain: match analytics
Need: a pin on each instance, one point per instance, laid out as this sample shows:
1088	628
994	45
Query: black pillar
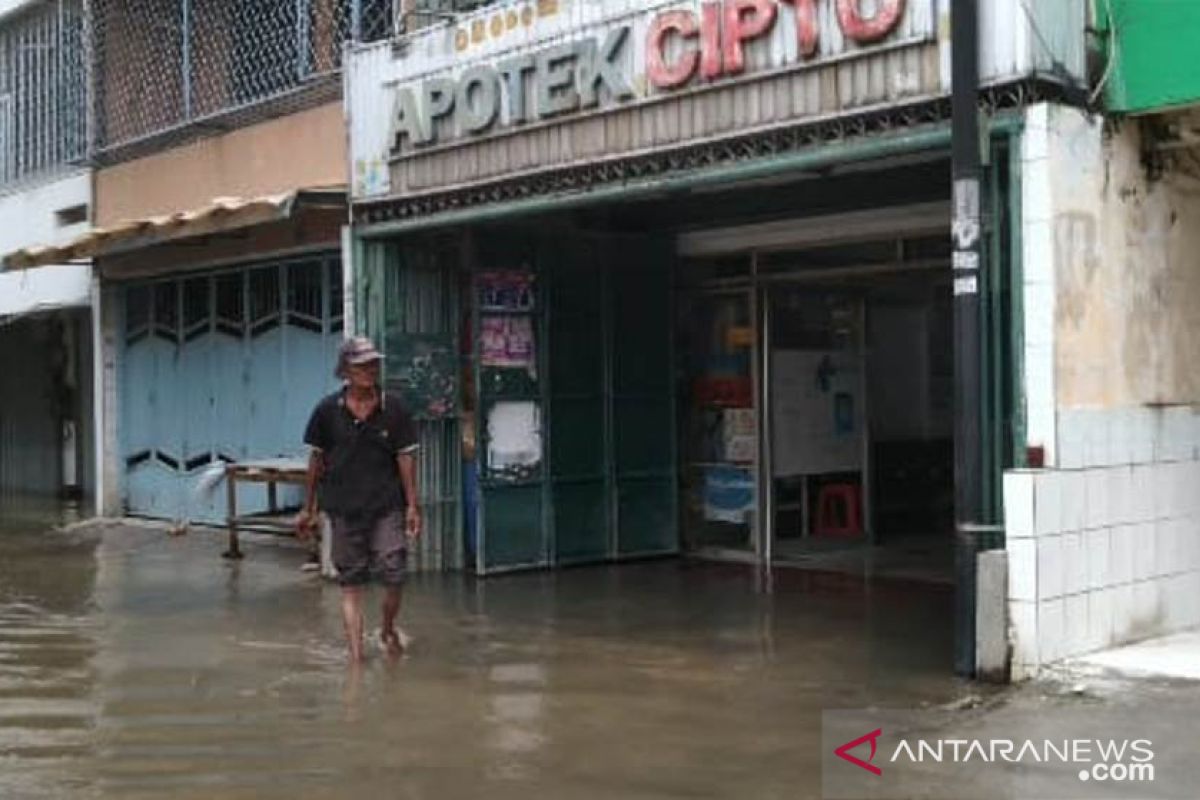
968	281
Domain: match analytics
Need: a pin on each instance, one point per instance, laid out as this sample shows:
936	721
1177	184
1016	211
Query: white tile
1122	613
1120	564
1018	504
1158	435
1075	630
1075	563
1172	490
1178	607
1072	439
1098	441
1035	141
1191	506
1023	631
1120	436
1189	544
1051	573
1179	425
1038	249
1163	490
1148	619
1097	546
1186	540
1022	569
1190	591
1195	437
1073	491
1166	552
1142	506
1037	120
1177	432
1039	315
1120	495
1145	550
1096	496
1037	195
1051	630
1039	394
1185	477
1141	436
1047	503
1100	619
1040	424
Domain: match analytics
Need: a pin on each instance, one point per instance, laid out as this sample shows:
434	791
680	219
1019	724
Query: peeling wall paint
1127	271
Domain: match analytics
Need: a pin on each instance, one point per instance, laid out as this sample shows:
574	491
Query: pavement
1169	657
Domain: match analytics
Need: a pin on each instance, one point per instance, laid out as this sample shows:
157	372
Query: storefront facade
677	277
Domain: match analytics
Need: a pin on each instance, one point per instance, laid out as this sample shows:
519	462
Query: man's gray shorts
374	547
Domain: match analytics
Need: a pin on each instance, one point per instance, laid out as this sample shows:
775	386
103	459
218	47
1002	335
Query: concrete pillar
991	617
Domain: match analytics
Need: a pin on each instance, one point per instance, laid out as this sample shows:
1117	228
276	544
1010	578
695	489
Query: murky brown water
137	665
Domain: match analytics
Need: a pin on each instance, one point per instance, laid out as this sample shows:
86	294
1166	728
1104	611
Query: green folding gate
606	488
603	487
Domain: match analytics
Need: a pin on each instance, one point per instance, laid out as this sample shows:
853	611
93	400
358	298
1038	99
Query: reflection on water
134	665
48	704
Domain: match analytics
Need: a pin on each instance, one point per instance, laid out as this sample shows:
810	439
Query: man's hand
412	522
306	525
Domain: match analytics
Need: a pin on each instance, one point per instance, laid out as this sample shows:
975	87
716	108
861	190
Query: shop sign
661	52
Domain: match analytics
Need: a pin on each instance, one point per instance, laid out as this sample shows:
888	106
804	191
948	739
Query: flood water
134	664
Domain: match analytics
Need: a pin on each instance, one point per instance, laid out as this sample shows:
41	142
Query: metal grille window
43	103
161	65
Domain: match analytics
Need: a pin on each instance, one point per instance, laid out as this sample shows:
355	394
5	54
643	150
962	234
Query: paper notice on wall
508	342
728	494
514	432
507	290
817	419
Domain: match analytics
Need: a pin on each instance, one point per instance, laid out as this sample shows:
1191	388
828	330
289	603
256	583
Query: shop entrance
818	407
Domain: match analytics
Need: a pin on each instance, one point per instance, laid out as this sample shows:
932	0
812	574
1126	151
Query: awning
223	214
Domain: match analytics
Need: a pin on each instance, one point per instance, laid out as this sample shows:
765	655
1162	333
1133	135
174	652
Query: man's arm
407	463
308	516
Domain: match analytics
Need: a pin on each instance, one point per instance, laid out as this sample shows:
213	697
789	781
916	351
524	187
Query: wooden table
272	472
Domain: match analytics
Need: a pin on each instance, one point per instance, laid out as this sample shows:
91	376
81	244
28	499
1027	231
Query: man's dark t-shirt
361	480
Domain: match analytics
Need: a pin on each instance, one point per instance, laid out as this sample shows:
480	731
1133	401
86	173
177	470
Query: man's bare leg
391	610
352	619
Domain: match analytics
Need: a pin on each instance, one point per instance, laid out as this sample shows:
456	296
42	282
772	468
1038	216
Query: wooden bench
272	472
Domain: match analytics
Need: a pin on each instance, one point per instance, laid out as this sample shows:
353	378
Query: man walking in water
363	466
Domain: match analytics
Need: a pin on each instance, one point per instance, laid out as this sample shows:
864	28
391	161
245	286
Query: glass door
816	468
719	423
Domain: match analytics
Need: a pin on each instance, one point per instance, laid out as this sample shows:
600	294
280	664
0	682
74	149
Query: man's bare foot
392	643
357	656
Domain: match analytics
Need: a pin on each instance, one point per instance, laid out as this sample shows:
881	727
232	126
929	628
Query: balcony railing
162	66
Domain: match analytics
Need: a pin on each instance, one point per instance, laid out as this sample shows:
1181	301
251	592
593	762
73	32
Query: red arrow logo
843	752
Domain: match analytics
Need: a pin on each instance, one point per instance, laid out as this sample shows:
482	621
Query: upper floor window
43	100
161	65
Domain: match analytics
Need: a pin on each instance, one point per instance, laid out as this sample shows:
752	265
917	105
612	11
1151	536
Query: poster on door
818	423
508	343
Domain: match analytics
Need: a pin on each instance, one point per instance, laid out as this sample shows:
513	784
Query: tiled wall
1109	553
1037	260
1104	544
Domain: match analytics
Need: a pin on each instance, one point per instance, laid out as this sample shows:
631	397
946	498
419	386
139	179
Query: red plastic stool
838	511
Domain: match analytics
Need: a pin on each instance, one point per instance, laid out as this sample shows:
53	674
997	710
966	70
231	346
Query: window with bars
43	94
163	65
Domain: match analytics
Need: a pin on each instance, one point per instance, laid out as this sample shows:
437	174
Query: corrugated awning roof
223	214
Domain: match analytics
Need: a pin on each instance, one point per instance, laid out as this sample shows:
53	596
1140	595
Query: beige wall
307	149
1125	251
